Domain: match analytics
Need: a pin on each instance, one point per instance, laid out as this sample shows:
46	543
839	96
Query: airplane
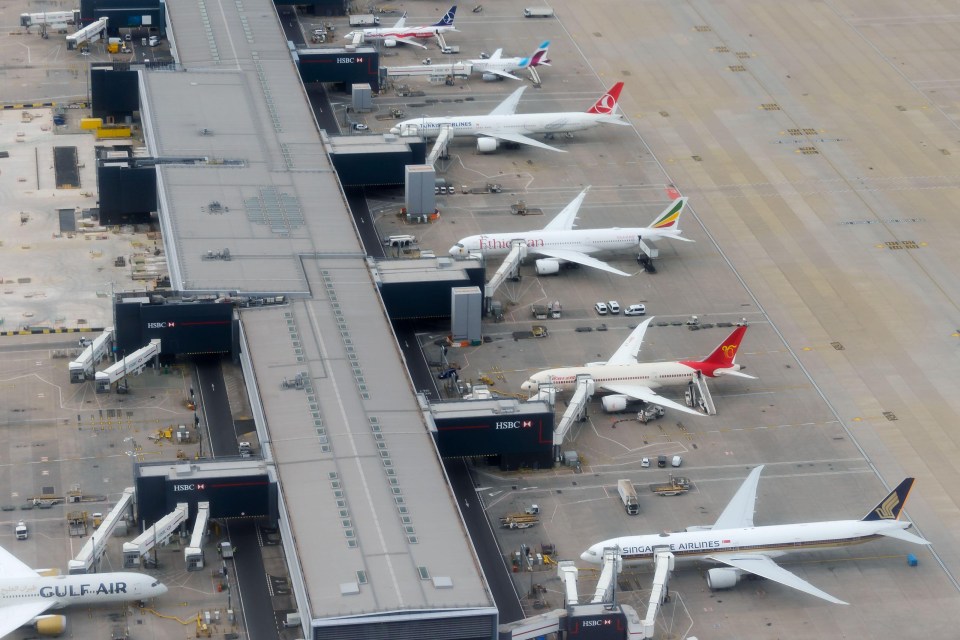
491	68
560	242
503	124
26	595
627	379
733	540
400	33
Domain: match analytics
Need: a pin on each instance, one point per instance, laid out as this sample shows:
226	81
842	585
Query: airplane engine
389	42
486	145
491	77
614	403
50	625
547	266
722	578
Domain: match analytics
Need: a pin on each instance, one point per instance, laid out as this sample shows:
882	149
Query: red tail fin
607	103
722	357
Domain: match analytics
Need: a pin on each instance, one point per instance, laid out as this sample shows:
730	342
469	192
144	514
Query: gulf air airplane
504	124
734	541
626	378
26	595
402	34
560	242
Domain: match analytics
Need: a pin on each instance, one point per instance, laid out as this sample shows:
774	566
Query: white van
154	41
538	12
677	461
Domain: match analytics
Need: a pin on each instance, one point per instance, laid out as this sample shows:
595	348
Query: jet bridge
612	565
157	534
90	33
133	364
95	547
440	146
576	411
193	554
83	367
456	69
509	269
664	561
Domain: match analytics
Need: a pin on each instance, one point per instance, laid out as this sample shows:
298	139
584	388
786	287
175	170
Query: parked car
635	310
661	461
359	126
601	308
645	463
614	306
676	461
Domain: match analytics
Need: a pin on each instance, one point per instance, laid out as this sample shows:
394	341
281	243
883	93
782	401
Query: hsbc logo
189	487
160	325
596	623
514	424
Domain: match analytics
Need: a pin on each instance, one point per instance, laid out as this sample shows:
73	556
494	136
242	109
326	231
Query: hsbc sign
161	325
189	487
514	424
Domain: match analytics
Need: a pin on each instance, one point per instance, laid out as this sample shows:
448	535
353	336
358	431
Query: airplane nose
455	251
395	131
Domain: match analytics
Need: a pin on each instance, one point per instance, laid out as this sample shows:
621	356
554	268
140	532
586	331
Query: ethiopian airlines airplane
560	242
400	33
25	595
627	379
733	540
503	124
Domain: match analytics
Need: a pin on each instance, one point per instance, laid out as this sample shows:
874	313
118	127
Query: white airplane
503	124
734	541
627	379
492	68
560	242
25	595
400	33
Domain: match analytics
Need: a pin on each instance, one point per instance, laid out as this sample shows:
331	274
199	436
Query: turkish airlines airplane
400	33
493	68
733	540
627	379
25	595
503	124
560	242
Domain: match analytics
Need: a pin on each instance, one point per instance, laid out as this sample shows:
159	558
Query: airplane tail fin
447	19
539	57
723	356
891	506
670	218
607	103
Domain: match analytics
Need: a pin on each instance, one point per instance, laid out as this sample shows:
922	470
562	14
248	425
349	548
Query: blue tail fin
891	506
447	19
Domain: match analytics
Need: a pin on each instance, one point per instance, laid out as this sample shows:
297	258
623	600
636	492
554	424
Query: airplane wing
647	394
739	511
411	42
502	74
766	568
11	567
17	615
509	106
627	352
580	258
567	218
519	138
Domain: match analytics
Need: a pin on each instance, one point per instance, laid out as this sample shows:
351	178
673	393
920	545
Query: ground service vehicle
635	310
628	495
675	486
538	12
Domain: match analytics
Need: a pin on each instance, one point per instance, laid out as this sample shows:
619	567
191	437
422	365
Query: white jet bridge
50	19
193	554
83	367
576	411
440	146
509	269
90	33
455	69
95	547
157	534
133	364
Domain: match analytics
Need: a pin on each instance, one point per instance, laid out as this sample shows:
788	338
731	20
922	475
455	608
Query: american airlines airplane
733	540
25	595
493	68
399	33
503	124
560	242
627	379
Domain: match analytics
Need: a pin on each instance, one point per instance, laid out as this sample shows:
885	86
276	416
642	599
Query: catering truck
628	495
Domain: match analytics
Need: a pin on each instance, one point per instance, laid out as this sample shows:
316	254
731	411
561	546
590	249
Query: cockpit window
156	584
460	245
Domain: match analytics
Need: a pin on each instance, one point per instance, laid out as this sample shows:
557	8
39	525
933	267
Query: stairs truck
675	486
628	495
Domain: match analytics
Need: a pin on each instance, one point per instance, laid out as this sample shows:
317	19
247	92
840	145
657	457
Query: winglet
448	17
607	103
891	507
670	218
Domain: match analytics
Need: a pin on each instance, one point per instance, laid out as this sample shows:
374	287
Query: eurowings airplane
503	124
560	242
734	541
495	67
400	33
26	596
626	378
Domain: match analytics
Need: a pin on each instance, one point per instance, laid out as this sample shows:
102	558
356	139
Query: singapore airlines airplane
399	33
503	124
493	68
626	378
560	242
25	595
734	541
